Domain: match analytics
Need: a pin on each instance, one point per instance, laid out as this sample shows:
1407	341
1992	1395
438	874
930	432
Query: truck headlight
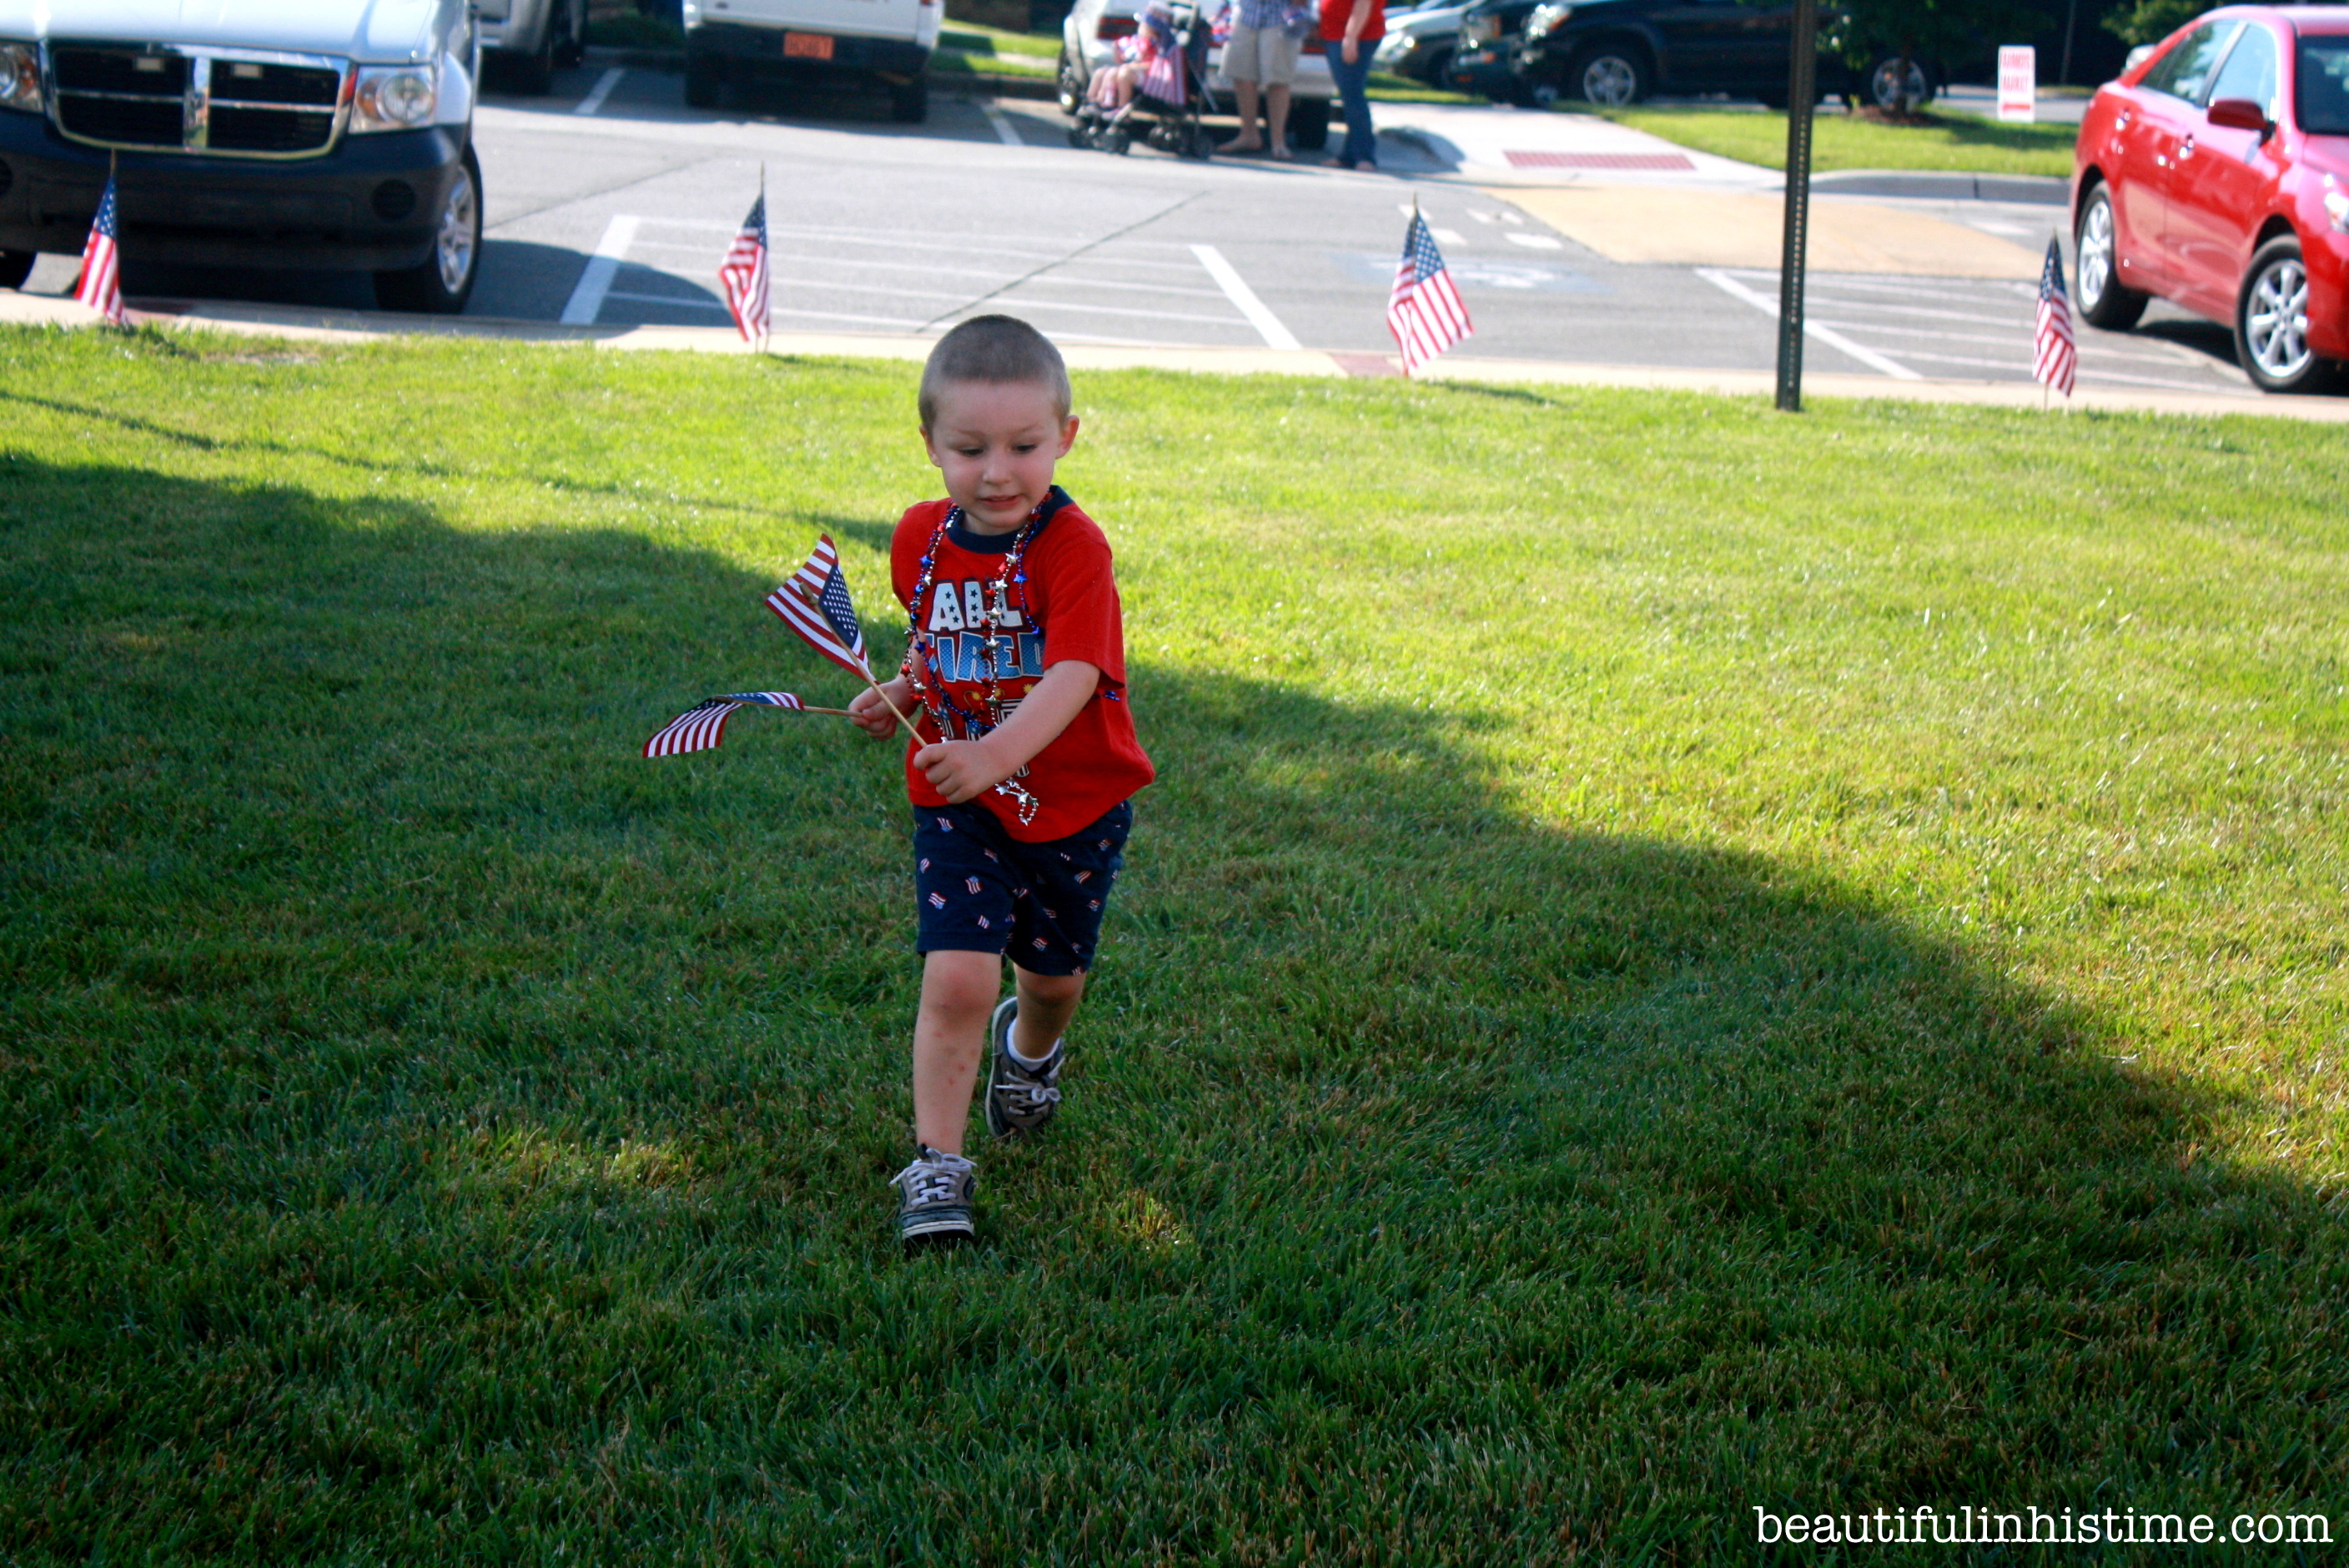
1547	19
395	97
1479	30
20	78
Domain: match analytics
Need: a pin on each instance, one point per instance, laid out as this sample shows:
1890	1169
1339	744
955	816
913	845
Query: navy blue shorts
983	891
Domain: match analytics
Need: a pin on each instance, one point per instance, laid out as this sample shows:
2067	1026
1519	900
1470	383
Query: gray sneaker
1019	1098
936	1209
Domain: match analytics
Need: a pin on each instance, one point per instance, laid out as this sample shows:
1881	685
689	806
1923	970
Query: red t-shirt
1066	610
1333	21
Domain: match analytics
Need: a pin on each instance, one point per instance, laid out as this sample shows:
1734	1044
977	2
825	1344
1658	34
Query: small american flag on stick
101	283
743	273
2056	357
703	725
1425	312
815	603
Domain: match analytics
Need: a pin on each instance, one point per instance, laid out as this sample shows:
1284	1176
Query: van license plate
807	47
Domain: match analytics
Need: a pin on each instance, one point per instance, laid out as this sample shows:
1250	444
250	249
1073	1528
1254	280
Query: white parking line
1003	131
593	102
595	281
1268	325
1827	335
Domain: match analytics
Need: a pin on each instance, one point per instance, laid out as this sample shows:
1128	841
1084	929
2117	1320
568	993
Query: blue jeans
1353	84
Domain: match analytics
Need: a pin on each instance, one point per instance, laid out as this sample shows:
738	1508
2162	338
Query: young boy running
1016	676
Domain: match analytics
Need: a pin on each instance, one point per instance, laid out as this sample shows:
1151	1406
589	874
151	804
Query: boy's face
995	442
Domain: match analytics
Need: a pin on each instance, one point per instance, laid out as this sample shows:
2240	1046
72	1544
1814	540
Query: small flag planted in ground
815	603
101	283
703	725
1424	312
2055	356
743	273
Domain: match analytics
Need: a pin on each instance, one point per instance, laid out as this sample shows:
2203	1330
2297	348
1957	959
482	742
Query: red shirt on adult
1067	609
1333	21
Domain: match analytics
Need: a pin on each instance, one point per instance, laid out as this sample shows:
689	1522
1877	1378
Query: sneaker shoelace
932	1180
1028	1093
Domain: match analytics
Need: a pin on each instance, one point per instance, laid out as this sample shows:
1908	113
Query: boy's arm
965	769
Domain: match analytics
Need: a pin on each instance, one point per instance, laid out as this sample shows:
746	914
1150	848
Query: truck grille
169	98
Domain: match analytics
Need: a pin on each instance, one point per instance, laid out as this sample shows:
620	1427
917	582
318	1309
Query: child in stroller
1156	87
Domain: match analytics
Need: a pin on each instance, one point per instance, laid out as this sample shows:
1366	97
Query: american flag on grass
101	283
1425	312
2055	356
703	725
743	273
813	602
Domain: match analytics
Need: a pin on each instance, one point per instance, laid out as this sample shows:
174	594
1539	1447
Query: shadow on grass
441	1134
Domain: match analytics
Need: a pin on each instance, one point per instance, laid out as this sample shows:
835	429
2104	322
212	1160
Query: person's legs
1247	140
1047	1003
958	991
1353	83
1275	118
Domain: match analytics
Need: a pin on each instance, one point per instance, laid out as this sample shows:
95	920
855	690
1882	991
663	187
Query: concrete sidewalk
365	326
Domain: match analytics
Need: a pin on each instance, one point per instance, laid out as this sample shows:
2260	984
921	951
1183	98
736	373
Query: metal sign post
1802	93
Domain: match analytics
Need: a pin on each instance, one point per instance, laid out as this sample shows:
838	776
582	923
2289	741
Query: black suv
1612	53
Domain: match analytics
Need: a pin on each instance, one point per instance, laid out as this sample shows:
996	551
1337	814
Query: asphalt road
610	202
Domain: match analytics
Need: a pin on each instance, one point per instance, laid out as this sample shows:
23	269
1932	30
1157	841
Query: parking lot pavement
609	205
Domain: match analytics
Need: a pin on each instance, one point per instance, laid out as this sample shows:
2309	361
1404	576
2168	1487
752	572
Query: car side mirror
2239	114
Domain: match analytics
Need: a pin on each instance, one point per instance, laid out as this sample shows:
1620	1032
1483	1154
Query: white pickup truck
333	135
888	41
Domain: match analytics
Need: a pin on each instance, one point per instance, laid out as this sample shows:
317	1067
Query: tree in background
1875	32
2150	21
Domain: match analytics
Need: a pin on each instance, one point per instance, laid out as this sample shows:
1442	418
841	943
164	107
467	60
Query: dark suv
1612	53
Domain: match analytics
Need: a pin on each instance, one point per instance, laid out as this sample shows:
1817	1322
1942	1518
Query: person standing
1351	31
1261	50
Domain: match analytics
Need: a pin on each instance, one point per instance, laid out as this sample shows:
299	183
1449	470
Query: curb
2040	190
367	326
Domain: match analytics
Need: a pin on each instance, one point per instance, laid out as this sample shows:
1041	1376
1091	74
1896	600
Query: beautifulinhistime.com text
1970	1526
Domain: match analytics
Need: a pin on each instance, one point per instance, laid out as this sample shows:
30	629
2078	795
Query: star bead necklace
922	649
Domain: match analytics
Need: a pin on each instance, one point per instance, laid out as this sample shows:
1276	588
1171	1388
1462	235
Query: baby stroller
1155	88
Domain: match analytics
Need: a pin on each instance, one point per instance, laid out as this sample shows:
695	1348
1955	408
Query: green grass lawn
1961	142
1684	959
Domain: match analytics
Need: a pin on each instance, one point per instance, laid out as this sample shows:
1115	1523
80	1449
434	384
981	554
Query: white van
887	41
328	134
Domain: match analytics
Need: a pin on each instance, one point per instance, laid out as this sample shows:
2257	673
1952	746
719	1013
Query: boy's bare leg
1047	1003
1275	115
958	992
1245	142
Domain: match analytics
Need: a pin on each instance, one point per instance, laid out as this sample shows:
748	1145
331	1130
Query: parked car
1093	28
1484	60
531	37
2215	174
884	41
1420	42
1614	53
328	134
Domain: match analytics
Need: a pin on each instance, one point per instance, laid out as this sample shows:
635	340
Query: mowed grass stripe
1683	959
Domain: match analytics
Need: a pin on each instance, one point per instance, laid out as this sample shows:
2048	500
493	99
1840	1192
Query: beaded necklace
922	649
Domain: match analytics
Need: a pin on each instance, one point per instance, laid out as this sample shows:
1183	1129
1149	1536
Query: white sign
2018	82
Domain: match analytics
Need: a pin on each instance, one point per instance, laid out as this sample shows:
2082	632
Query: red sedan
2214	173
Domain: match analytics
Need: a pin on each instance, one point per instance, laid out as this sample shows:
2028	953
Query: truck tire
15	266
1308	123
532	75
705	78
445	281
1608	75
573	50
909	102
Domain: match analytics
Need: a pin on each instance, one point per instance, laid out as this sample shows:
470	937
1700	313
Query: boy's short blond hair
998	349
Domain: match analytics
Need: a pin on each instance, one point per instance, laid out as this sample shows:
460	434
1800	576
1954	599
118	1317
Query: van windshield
2323	94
